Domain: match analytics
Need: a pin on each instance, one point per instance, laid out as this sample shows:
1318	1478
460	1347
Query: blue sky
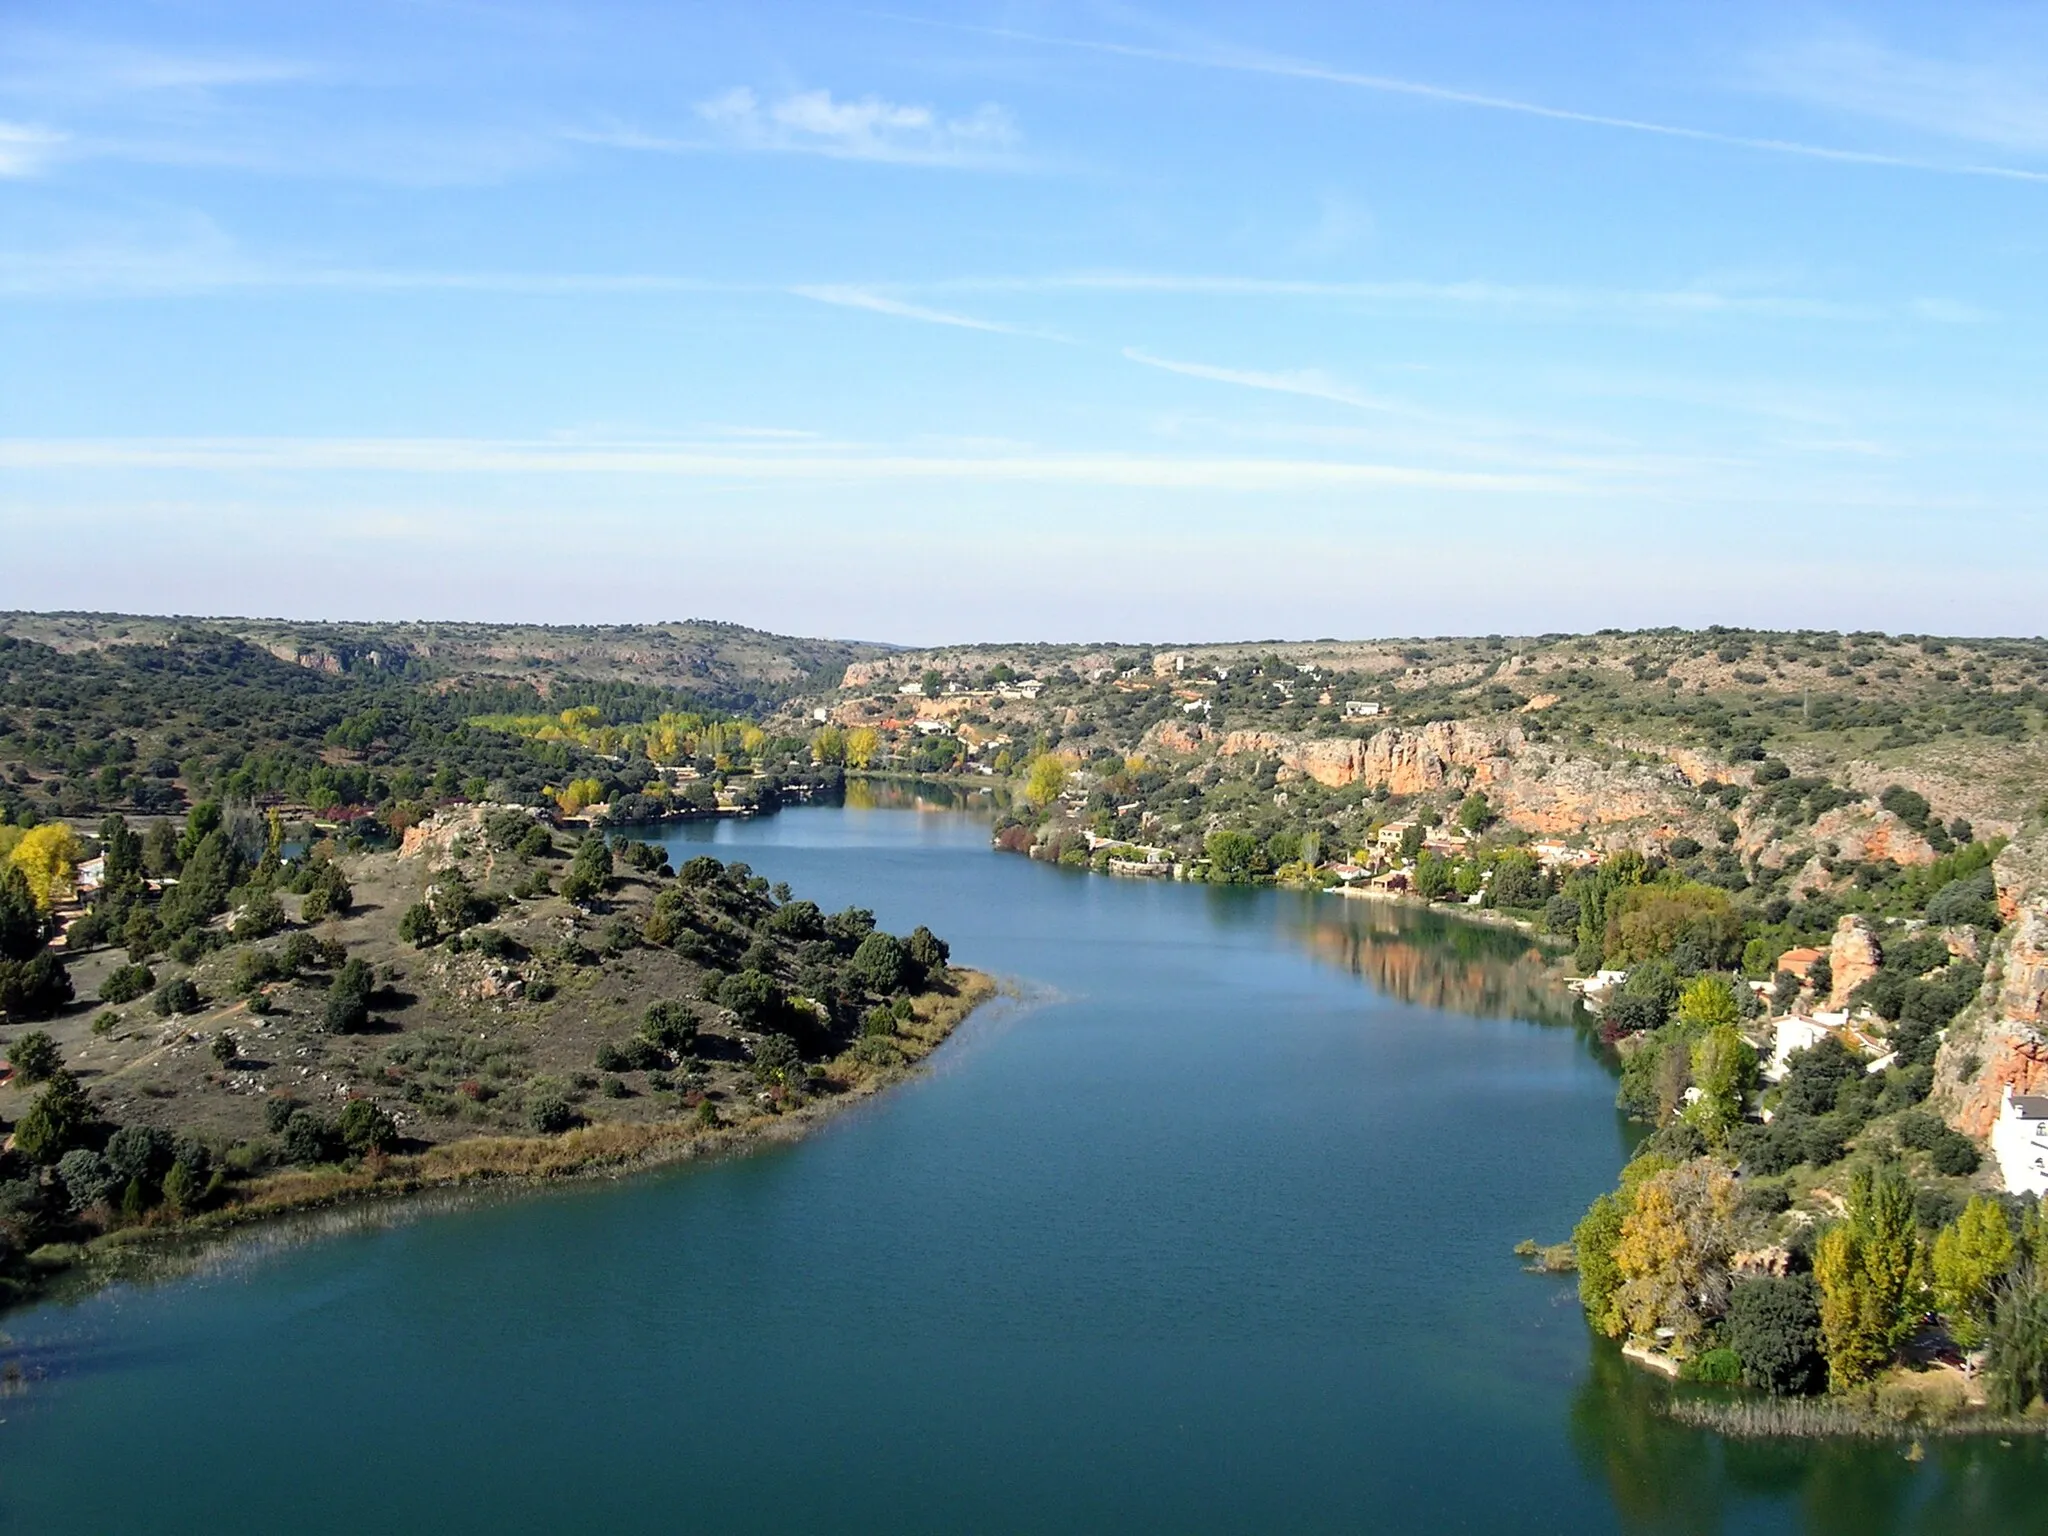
931	323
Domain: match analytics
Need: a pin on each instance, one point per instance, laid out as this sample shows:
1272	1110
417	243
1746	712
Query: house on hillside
1798	961
2019	1140
1360	709
1802	1031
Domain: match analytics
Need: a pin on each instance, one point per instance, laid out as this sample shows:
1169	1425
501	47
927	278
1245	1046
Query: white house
1802	1031
2019	1140
1360	709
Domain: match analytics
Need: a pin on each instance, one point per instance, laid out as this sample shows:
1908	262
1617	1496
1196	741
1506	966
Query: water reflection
915	795
1435	959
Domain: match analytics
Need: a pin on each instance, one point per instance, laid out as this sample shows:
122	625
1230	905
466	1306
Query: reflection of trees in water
1426	957
905	795
1666	1479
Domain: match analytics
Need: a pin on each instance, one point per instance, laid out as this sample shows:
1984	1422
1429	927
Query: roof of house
1798	959
2030	1106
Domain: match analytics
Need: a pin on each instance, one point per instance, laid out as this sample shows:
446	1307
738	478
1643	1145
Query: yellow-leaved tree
47	857
1971	1255
828	745
1672	1256
861	747
1048	776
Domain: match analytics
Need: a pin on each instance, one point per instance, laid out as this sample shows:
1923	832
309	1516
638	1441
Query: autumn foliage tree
1865	1269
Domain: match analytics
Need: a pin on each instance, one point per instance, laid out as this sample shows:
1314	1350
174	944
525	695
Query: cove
1207	1231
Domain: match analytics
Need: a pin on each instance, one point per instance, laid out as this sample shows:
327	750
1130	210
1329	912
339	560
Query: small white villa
1799	1032
2019	1140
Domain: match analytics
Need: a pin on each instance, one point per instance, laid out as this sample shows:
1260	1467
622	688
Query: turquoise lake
1206	1231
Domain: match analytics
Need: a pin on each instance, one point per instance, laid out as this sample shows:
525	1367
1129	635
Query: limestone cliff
1999	1041
1536	788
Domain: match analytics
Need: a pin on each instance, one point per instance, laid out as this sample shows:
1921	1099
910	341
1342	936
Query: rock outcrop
1999	1041
1853	957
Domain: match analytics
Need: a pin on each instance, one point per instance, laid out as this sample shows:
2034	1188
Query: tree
862	744
329	895
1048	776
776	1060
1709	1002
1235	857
1474	813
933	682
1593	1243
22	925
1971	1255
177	996
881	962
670	1025
366	1128
47	857
55	1122
1865	1269
754	998
2018	1344
928	951
1673	1252
35	1057
1773	1325
33	989
1645	922
348	998
1412	838
1724	1069
226	1049
1434	879
828	746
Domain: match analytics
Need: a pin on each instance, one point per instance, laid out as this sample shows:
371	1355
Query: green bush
176	996
35	1057
1722	1366
125	983
549	1113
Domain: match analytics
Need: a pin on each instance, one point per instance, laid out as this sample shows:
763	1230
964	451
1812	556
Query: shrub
88	1178
329	895
1955	1155
140	1152
35	1057
1721	1365
226	1049
1773	1329
259	919
549	1113
177	996
125	983
310	1138
54	1123
776	1060
670	1025
364	1127
348	998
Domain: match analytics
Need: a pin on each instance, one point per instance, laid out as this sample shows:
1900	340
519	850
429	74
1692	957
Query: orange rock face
1853	956
2013	1058
1861	833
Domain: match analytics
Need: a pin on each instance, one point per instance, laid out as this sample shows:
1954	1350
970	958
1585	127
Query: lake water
1208	1233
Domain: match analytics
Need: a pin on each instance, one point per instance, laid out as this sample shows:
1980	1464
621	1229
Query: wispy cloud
1311	383
1243	61
818	123
1997	101
850	297
721	462
26	150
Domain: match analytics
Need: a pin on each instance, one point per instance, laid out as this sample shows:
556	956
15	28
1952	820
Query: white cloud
818	123
25	150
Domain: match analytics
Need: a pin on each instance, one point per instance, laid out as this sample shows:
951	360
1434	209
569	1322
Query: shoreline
479	1164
